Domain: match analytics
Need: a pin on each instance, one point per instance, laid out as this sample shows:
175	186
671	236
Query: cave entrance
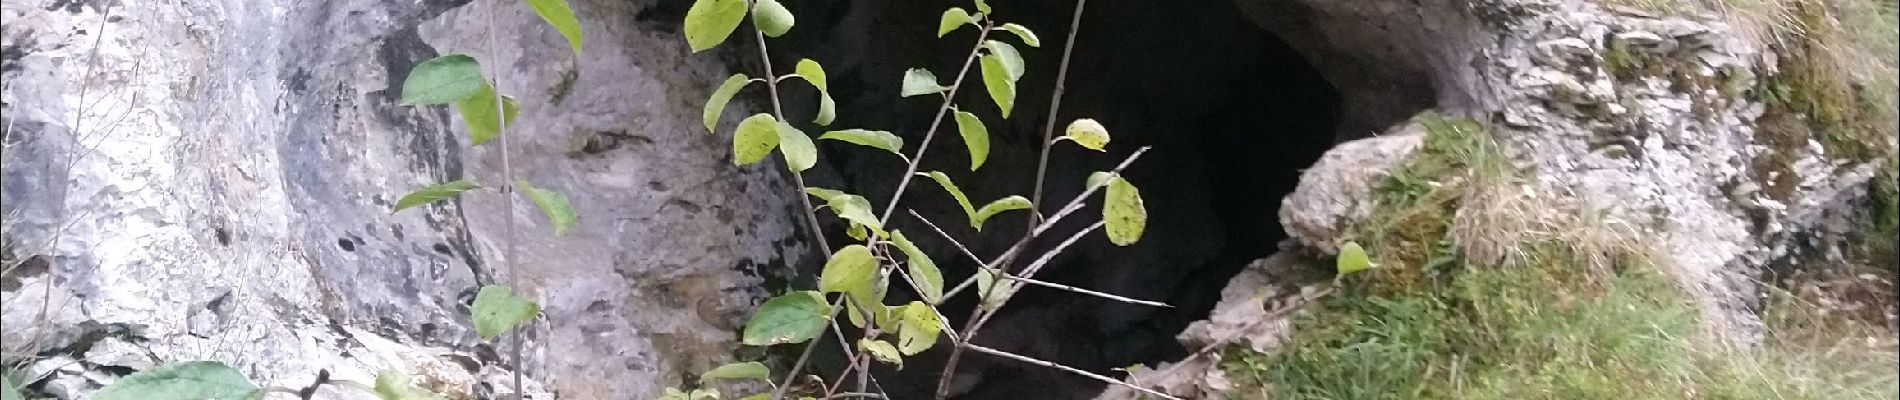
1233	114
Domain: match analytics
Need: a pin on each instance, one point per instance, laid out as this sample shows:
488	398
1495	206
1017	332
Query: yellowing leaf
561	16
1352	258
800	153
498	310
993	290
995	207
771	17
1123	212
975	137
827	109
442	80
923	272
755	139
952	19
918	328
852	268
393	385
1088	134
1029	38
434	193
919	81
882	351
875	139
717	104
709	22
790	318
812	72
983	6
552	204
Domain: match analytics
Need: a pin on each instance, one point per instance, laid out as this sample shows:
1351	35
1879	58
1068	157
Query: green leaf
8	389
918	328
998	206
478	111
738	370
755	139
1088	134
850	207
812	72
392	385
717	104
875	139
497	310
800	153
827	109
975	137
1001	87
1124	213
856	305
944	181
857	232
851	269
1098	178
434	193
442	80
192	380
991	288
919	81
983	6
1011	60
1352	258
1029	38
760	396
709	22
557	13
790	318
771	17
953	18
554	205
882	351
923	271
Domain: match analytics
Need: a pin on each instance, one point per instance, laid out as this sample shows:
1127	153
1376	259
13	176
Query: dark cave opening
1233	113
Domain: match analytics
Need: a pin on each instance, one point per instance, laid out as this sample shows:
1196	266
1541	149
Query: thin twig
1049	223
949	101
983	318
1064	368
508	192
1059	286
1274	315
1055	103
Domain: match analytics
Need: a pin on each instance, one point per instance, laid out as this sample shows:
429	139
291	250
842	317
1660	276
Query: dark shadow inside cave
1232	112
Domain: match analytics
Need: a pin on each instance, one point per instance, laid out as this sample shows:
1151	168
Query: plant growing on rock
454	80
856	277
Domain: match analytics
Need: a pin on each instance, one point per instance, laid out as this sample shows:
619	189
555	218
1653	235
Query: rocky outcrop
213	180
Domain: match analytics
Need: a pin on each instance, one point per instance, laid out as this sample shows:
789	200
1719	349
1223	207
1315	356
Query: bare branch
949	99
1059	286
1064	368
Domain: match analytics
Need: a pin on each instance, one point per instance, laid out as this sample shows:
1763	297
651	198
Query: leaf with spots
755	139
882	351
709	22
917	328
1123	212
1087	133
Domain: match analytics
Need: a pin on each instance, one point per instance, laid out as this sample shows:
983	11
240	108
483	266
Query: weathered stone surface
223	173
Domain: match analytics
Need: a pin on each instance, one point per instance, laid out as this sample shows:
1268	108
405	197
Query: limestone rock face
213	180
